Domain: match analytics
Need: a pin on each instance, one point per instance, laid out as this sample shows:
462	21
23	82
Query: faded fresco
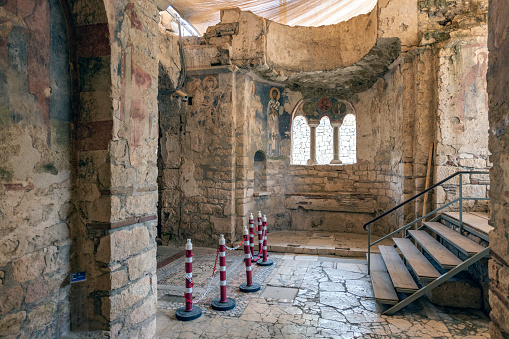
34	67
267	116
463	99
315	109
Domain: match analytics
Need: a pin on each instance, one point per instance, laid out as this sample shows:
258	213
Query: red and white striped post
260	234
251	233
189	312
223	303
264	261
249	286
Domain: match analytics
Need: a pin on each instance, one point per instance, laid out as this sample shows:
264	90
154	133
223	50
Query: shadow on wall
260	171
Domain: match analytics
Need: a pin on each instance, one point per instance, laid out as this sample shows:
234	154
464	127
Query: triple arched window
324	132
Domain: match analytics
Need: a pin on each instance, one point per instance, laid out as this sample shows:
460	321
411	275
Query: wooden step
445	258
417	261
475	221
483	215
401	278
381	281
462	243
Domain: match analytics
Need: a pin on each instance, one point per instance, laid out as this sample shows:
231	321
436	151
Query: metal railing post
369	249
461	203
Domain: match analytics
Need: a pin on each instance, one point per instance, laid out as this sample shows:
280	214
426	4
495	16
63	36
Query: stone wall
36	176
498	91
78	175
396	122
462	137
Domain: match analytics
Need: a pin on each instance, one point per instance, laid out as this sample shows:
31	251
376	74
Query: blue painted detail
78	276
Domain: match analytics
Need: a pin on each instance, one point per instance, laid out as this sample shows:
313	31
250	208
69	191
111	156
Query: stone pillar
312	147
498	71
335	139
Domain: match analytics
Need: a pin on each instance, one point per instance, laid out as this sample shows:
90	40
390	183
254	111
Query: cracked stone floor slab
334	300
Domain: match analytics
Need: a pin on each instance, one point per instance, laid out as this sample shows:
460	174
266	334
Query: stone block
122	244
146	310
138	265
112	307
41	316
28	267
11	324
460	291
142	204
473	163
41	288
11	300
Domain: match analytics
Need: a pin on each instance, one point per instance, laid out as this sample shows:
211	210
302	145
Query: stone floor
302	296
322	243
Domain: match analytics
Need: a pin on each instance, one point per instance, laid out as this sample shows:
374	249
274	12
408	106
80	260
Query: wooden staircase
405	268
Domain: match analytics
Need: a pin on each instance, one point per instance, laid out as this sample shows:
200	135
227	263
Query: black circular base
264	263
261	256
226	306
188	316
249	289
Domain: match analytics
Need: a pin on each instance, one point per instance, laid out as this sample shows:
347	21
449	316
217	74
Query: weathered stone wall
121	219
462	136
98	214
498	92
36	176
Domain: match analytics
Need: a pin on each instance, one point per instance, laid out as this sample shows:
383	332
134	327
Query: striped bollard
189	312
260	235
251	233
249	286
223	303
264	261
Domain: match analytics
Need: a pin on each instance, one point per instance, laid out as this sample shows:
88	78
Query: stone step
401	278
437	251
463	244
422	268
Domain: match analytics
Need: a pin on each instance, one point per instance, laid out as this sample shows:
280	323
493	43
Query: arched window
300	141
322	134
348	140
324	146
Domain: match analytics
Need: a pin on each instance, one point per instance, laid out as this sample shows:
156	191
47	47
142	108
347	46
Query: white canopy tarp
202	14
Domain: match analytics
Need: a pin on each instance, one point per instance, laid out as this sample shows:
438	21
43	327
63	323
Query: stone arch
311	113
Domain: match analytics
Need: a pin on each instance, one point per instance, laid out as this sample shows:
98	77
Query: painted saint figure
274	110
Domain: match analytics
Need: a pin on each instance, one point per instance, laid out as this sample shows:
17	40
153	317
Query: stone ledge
119	224
333	202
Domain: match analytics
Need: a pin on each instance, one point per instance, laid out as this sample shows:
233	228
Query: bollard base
226	306
182	315
256	254
264	263
249	289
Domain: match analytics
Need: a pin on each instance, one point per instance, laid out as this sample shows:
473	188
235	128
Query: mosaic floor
302	296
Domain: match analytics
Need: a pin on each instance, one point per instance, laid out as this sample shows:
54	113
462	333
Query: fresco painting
272	121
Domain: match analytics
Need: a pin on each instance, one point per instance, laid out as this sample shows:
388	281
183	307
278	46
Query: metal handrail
418	195
460	199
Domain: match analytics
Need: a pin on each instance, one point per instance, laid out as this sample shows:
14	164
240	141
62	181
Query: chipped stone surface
334	300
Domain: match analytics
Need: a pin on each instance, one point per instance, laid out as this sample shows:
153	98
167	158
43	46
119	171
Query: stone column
335	139
312	148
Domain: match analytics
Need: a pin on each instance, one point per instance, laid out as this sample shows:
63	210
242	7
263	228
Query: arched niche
260	171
